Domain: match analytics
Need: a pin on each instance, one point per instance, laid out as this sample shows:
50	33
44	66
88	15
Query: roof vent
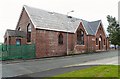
51	13
69	16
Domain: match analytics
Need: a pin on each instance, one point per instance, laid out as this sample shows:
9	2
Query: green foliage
114	30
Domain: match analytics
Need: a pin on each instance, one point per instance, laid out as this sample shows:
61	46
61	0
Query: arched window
80	37
29	27
29	32
60	39
96	41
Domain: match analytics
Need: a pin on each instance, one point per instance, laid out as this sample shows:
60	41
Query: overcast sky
89	10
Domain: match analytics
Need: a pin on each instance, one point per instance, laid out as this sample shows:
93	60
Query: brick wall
23	21
101	33
47	41
80	48
91	43
12	40
47	44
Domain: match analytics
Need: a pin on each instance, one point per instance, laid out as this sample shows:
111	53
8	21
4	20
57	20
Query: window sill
80	45
29	43
60	44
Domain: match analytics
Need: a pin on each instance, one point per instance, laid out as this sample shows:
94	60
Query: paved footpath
44	66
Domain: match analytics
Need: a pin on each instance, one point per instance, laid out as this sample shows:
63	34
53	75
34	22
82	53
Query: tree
113	30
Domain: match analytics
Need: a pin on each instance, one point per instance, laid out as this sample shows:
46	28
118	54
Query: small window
60	39
96	41
18	41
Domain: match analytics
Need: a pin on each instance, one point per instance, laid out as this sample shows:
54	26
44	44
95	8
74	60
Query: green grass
97	71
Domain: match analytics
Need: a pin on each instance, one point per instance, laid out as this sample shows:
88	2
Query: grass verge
102	72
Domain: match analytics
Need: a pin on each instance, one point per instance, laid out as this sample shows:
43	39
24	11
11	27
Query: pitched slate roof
91	27
52	21
59	22
15	33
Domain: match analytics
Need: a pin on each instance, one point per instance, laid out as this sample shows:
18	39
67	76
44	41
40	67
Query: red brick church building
56	34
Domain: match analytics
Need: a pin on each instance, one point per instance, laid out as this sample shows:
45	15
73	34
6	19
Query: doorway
100	43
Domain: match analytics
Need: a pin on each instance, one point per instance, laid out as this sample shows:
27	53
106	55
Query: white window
18	41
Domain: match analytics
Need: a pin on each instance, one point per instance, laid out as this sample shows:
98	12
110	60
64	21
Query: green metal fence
0	52
17	51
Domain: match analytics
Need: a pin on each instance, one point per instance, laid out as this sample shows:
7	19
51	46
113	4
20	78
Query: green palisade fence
0	52
17	51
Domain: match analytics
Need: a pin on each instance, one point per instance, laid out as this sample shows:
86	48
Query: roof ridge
94	21
25	6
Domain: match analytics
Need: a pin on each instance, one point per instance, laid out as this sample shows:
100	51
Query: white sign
99	39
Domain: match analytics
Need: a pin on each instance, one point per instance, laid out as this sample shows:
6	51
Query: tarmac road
48	65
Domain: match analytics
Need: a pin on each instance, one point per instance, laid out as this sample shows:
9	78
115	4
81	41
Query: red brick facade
46	41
